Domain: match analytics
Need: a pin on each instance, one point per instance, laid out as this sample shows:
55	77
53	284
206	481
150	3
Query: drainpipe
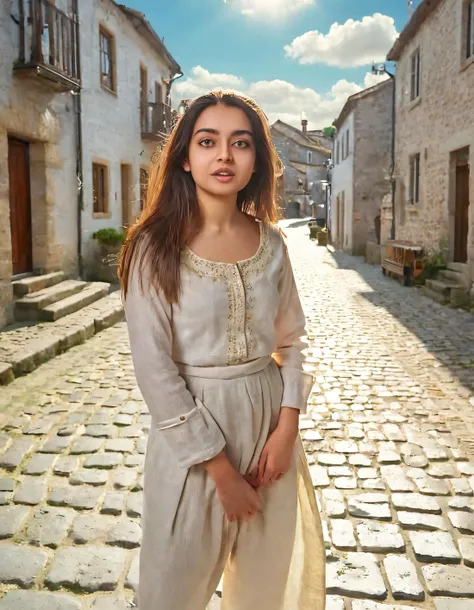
392	172
79	165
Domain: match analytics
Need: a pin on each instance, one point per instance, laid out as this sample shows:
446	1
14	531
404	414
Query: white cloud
355	43
269	8
279	99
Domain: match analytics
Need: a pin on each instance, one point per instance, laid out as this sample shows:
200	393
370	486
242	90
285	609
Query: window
337	152
310	156
100	186
415	75
107	59
347	143
144	99
343	154
415	179
470	29
143	187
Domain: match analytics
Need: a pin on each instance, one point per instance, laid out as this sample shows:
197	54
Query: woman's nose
225	154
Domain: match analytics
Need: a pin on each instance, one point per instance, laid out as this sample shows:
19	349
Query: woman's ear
186	166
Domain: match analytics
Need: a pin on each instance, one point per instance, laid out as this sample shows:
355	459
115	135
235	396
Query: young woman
215	328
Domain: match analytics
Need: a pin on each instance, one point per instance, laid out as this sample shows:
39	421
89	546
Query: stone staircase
52	315
451	286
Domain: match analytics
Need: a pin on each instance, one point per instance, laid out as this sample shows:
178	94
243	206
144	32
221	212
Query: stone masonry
388	435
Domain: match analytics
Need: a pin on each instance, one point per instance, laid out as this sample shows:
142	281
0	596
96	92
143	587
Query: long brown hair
171	211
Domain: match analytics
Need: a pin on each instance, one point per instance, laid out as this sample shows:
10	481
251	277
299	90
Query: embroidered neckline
204	262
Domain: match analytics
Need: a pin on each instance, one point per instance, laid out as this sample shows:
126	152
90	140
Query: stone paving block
88	568
334	602
416	502
331	459
355	575
422	521
364	510
56	444
343	534
101	431
5	497
463	521
133	572
389	457
319	476
134	431
31	491
466	468
40	463
124	478
442	470
125	533
365	604
114	503
466	546
452	604
87	444
431	486
90	477
396	479
333	502
110	602
18	450
345	447
434	546
135	504
49	526
367	473
454	581
20	565
41	426
65	465
340	471
11	520
380	537
461	487
462	503
104	460
122	445
39	600
403	578
81	497
374	484
90	528
7	484
345	483
135	461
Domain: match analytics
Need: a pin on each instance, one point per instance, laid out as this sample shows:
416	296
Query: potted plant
322	236
110	242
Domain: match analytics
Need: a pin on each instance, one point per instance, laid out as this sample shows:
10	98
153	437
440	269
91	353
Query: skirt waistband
233	371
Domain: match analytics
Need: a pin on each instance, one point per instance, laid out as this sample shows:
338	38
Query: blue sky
292	56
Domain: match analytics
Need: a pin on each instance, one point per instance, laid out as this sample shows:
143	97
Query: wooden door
461	221
126	186
20	206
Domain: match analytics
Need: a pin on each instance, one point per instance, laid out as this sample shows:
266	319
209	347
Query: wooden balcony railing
156	120
49	42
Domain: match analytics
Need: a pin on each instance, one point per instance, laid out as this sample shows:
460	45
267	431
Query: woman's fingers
261	468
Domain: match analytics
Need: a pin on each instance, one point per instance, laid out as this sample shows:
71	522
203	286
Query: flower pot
107	263
322	238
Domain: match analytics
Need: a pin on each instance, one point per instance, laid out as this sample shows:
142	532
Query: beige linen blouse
228	314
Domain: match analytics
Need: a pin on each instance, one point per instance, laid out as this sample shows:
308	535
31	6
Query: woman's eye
242	144
206	143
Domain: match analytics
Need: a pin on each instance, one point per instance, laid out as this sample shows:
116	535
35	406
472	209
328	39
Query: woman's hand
238	498
275	460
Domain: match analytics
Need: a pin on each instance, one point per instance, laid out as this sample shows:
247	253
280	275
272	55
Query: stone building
81	108
301	190
435	130
362	159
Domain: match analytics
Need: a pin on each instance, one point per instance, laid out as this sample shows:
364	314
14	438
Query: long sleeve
290	333
187	426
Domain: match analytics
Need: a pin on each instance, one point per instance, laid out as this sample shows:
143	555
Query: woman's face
221	156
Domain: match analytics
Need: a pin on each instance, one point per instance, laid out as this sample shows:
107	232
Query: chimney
304	125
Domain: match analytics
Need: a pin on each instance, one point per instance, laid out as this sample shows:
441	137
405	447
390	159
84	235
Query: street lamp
379	69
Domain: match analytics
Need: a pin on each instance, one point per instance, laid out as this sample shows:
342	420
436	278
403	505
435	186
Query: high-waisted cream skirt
276	561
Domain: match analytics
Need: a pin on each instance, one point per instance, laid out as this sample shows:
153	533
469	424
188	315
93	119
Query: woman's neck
217	213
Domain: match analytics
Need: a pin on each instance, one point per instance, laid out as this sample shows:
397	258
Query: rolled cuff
193	437
297	385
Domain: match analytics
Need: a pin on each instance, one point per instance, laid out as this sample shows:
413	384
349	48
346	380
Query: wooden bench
403	260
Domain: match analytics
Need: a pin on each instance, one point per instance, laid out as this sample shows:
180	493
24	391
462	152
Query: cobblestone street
389	437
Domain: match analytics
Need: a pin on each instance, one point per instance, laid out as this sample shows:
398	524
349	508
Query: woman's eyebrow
238	132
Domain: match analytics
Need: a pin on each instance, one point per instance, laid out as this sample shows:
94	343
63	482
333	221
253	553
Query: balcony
49	44
156	120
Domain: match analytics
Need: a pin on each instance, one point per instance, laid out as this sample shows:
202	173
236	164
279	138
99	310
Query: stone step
453	277
443	288
434	295
29	306
93	292
463	269
36	282
25	348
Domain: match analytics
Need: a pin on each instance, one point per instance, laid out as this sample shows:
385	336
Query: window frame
415	75
309	157
97	212
415	179
109	53
347	143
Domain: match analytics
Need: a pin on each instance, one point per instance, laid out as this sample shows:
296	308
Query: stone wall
372	161
111	120
438	123
31	110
